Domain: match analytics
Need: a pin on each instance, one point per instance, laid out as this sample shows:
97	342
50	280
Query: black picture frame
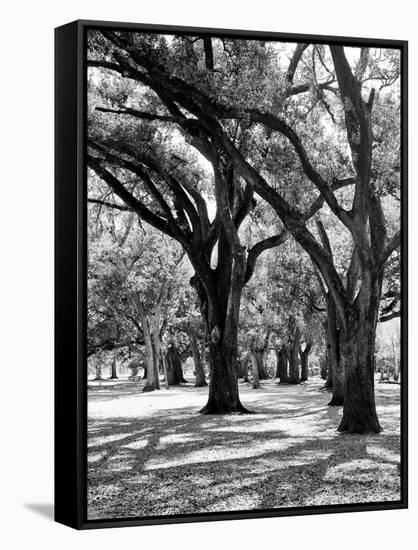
71	276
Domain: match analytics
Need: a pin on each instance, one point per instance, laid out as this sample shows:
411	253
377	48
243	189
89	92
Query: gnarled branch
257	249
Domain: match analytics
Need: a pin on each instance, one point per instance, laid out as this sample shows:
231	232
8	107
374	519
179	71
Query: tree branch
109	345
109	204
207	111
302	88
181	199
203	107
244	206
361	64
324	238
105	65
389	316
319	201
358	126
257	249
392	245
207	43
156	221
142	114
277	124
294	62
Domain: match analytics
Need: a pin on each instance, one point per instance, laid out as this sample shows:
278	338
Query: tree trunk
114	374
262	356
359	413
166	384
358	351
223	388
294	358
262	371
277	352
156	336
328	372
325	363
337	364
304	357
198	367
156	352
220	297
282	365
255	360
150	384
243	369
174	370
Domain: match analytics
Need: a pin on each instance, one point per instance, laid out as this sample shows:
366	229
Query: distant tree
282	364
131	272
114	372
304	358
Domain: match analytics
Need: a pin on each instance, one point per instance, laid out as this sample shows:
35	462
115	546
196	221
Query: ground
153	454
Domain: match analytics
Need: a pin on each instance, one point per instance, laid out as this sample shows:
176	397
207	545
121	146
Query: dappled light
176	461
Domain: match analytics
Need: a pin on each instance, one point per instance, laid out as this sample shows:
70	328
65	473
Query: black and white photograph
208	283
244	273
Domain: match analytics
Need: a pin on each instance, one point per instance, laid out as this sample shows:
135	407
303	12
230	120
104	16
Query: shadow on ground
158	456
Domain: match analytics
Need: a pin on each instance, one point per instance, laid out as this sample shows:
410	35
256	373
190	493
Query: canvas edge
71	400
69	222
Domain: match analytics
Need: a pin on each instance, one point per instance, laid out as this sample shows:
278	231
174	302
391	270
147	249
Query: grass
152	454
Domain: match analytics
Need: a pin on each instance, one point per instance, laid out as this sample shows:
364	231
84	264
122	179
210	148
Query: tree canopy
275	168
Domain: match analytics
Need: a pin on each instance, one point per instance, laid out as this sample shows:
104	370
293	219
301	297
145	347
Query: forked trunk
219	304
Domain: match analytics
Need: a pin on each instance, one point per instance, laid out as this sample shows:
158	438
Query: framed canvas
231	282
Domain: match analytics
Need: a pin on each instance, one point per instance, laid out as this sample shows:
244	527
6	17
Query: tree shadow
182	462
